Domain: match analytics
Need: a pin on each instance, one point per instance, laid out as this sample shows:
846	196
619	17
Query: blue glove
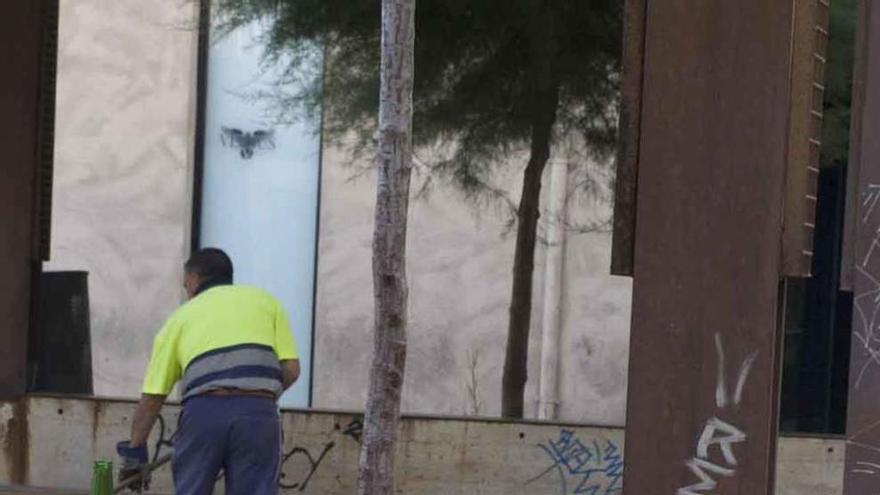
134	460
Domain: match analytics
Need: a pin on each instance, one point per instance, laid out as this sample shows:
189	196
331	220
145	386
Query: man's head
207	265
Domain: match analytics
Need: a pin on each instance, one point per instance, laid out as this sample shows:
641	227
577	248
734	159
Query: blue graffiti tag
594	468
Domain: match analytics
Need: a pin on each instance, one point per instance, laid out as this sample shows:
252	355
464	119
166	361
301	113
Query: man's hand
134	461
289	372
133	454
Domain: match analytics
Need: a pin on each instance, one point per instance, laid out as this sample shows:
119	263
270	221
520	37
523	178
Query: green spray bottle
102	478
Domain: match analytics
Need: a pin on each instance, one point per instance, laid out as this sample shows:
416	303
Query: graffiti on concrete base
591	468
355	430
584	467
718	432
314	462
165	440
291	460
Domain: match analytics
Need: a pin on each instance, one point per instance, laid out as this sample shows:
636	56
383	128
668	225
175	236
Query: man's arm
144	418
289	372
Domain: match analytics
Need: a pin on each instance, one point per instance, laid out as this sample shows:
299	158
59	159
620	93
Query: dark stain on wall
15	444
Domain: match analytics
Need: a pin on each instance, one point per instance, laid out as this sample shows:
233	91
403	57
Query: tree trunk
376	473
546	99
516	357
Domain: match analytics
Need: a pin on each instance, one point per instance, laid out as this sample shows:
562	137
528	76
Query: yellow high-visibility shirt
225	317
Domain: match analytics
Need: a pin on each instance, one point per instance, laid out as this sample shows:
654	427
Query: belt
237	392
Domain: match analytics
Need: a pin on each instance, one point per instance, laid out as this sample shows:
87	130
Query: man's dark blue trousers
238	435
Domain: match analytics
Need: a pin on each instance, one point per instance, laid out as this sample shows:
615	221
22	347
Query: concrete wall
810	466
459	261
436	456
126	96
122	201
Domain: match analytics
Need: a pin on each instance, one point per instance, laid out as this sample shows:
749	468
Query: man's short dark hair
210	264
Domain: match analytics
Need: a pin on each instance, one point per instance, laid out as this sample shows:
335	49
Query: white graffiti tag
709	438
867	298
721	393
700	467
719	432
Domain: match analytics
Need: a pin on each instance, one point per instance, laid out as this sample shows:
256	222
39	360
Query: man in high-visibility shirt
231	349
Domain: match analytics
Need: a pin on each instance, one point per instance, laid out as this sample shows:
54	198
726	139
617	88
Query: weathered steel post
861	268
725	115
27	58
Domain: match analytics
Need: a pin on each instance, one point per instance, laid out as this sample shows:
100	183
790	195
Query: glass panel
260	183
818	312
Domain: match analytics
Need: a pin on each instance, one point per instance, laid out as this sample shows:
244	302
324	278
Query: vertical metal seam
204	40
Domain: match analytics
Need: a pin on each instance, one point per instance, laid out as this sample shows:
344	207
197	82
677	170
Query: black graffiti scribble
355	430
165	439
247	142
313	463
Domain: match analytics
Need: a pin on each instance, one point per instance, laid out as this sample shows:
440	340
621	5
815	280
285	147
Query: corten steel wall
809	42
863	422
702	399
20	41
623	241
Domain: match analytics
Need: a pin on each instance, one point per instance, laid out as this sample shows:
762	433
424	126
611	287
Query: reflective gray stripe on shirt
246	366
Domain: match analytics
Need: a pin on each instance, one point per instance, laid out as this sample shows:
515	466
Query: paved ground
30	490
27	490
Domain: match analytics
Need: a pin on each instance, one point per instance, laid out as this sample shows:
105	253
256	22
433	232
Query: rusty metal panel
623	239
704	353
862	475
809	47
20	41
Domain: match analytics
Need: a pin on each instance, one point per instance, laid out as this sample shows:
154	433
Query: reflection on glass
260	182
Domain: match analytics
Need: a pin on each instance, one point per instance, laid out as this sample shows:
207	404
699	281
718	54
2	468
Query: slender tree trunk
544	105
376	473
516	357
